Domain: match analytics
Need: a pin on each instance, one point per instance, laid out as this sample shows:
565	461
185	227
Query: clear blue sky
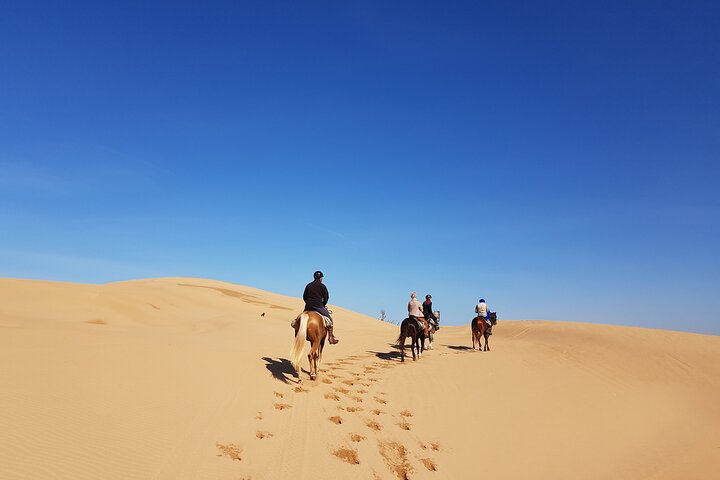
560	159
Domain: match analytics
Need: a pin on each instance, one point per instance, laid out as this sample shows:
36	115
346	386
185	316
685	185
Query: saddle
328	322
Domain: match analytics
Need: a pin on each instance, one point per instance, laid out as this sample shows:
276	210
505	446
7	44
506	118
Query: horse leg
422	345
402	348
413	346
487	338
312	358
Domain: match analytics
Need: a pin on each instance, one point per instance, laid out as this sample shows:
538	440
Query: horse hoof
312	377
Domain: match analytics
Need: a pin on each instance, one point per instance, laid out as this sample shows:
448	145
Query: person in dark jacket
428	312
316	296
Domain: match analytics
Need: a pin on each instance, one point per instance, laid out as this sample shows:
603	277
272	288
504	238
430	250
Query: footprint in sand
281	406
380	400
326	380
377	411
259	416
347	455
300	390
231	451
356	437
404	425
374	425
278	394
353	409
332	396
406	413
336	420
396	458
262	434
429	464
342	390
435	446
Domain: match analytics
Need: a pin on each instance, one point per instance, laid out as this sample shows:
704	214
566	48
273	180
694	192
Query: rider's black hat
317	275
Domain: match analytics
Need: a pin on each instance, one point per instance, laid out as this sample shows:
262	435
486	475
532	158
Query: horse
479	329
432	330
310	326
410	328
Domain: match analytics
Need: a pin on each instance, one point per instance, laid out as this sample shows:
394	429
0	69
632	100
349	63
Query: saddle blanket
328	322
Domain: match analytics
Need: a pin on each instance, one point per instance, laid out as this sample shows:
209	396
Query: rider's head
413	295
482	300
318	275
428	297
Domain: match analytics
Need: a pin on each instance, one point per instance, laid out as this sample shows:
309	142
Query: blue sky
559	159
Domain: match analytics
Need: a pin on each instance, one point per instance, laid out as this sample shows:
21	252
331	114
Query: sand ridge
180	378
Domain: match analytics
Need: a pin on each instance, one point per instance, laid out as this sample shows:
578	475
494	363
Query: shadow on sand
458	347
389	356
281	369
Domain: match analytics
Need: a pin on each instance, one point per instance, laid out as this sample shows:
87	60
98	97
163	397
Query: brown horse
309	326
479	329
410	328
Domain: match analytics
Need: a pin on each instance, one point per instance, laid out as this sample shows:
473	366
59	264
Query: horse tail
403	333
299	343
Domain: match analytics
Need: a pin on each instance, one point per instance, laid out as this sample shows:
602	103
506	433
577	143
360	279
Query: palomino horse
480	329
410	328
309	326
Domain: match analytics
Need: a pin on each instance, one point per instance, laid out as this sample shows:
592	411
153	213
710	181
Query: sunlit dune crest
180	378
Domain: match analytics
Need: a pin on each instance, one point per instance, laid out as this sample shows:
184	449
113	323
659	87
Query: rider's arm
326	294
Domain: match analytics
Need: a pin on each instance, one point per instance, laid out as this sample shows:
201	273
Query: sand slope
182	378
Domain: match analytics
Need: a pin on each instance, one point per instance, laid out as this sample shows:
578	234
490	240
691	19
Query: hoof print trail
278	394
281	406
336	420
332	396
356	438
404	425
260	434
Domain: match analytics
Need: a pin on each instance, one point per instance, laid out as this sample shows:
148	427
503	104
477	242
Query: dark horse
309	326
480	329
410	328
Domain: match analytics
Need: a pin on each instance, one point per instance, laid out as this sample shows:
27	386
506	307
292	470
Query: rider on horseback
481	309
415	312
428	312
316	297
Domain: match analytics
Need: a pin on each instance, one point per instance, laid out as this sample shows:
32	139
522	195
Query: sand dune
182	378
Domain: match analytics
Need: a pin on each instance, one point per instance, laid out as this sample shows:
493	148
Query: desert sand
183	378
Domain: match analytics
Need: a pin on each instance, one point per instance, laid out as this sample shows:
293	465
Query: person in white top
415	311
482	311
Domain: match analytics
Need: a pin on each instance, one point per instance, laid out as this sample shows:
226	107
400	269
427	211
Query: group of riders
316	296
